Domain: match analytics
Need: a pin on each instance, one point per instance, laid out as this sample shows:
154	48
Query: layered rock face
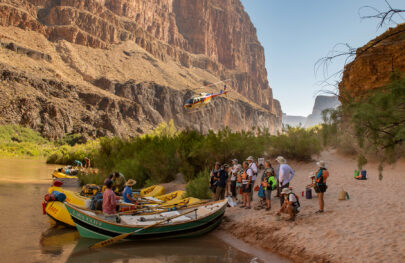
184	43
375	62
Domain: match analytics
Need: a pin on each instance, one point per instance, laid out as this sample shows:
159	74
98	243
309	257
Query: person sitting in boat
291	205
127	193
109	199
119	182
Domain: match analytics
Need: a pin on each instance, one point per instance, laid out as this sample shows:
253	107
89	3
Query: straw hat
285	191
250	158
130	182
281	160
321	164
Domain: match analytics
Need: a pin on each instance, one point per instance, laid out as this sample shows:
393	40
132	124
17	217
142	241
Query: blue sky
296	33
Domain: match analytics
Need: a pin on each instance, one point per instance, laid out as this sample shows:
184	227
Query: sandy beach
366	228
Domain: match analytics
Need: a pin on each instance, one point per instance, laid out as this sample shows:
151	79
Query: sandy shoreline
366	228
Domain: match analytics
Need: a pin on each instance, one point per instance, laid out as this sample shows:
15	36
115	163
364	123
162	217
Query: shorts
320	188
267	194
246	188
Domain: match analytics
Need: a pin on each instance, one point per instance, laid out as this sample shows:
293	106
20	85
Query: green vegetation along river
27	235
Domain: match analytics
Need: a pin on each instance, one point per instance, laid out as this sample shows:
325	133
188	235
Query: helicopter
203	99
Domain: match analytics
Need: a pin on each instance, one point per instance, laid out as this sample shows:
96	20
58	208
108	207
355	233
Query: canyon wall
375	62
152	48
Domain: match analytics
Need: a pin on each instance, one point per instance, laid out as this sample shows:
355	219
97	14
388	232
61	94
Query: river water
28	236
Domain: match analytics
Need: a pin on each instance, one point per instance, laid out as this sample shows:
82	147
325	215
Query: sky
296	33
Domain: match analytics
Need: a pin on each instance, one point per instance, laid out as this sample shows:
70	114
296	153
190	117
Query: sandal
319	211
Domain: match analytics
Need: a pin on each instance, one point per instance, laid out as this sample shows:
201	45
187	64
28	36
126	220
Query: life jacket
323	177
245	177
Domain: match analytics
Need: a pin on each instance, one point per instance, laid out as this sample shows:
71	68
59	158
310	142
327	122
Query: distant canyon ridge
321	103
120	67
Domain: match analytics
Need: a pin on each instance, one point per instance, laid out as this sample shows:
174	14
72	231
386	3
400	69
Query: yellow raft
153	191
59	175
177	195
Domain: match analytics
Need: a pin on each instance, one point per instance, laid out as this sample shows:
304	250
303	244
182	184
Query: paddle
122	236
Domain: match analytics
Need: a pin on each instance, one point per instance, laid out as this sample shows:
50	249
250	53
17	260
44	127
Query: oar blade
110	241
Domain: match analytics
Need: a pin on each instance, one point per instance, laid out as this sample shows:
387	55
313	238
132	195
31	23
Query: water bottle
347	196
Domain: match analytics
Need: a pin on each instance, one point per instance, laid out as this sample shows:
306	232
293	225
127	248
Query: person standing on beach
246	184
234	173
253	167
268	183
320	184
222	179
286	174
213	175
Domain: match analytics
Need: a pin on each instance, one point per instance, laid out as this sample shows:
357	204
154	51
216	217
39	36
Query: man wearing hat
222	179
127	193
253	166
290	205
285	175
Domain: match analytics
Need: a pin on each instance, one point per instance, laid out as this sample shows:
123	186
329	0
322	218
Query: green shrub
199	186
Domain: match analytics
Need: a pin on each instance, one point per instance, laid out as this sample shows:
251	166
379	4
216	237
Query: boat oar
122	236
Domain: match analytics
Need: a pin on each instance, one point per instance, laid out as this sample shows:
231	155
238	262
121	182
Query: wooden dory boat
204	219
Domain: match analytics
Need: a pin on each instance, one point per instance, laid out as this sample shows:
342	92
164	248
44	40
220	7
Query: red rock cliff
375	62
214	36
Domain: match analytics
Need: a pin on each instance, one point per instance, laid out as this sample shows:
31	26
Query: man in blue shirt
127	193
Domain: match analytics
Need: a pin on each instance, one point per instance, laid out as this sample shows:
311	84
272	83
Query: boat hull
92	227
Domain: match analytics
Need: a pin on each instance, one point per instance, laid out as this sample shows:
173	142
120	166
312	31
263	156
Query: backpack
298	199
272	182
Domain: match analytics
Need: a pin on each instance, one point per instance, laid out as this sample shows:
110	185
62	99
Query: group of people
115	187
239	181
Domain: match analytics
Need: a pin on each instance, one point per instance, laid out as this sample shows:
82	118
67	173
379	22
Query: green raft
206	218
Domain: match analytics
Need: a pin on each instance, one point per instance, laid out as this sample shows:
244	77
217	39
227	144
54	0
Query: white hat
281	160
321	164
235	161
250	158
285	191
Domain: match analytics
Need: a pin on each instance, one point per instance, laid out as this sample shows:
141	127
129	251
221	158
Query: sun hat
250	158
321	164
281	160
267	170
285	191
130	182
235	161
239	167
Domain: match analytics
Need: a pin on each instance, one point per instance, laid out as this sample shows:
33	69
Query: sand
367	228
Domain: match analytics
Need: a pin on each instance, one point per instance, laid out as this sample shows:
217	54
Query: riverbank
366	228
